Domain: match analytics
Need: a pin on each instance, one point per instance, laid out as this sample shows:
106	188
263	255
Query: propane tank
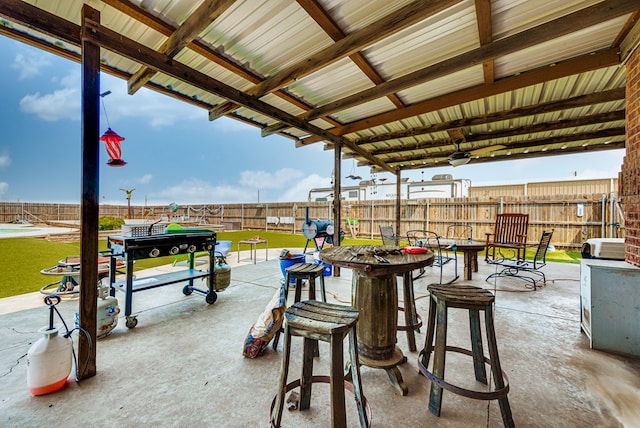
222	272
108	311
49	359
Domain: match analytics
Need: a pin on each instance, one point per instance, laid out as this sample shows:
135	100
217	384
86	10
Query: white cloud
158	110
280	179
61	104
299	190
196	191
29	64
145	179
4	188
5	160
284	185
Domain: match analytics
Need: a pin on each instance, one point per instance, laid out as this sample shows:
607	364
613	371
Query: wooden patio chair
528	270
509	234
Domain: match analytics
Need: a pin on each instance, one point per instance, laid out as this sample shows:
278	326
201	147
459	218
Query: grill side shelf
147	283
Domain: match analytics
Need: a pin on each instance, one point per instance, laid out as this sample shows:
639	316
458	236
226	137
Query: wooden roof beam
533	154
135	51
395	157
317	12
512	132
16	11
206	51
584	63
328	25
571	23
358	40
196	22
485	34
551	106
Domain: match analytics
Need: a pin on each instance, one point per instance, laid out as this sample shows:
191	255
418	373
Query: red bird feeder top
112	141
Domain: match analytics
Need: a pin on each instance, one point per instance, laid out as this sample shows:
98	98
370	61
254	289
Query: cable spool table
375	296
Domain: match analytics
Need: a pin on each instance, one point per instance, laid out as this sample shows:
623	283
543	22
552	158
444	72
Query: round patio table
374	294
468	247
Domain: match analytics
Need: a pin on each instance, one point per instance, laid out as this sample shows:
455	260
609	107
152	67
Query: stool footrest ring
321	379
469	393
415	326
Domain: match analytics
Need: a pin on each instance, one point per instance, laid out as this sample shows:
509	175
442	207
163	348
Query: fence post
603	220
372	211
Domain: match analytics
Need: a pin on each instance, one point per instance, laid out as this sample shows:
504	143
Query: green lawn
24	258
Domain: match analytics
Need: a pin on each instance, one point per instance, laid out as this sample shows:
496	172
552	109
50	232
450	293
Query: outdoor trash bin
290	261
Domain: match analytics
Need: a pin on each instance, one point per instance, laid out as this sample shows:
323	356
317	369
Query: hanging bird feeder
112	141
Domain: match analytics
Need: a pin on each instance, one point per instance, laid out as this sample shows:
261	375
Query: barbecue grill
131	248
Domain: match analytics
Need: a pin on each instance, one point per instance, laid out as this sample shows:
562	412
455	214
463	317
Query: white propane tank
107	311
222	273
49	362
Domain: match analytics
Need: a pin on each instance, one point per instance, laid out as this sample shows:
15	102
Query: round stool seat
462	296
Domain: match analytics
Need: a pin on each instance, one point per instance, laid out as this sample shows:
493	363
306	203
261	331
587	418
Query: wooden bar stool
314	320
473	299
412	320
300	272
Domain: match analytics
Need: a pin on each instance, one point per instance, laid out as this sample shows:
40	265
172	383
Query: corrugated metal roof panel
452	82
588	40
431	41
336	81
269	35
354	15
514	16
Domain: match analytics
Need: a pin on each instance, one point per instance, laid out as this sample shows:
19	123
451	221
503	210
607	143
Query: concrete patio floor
182	366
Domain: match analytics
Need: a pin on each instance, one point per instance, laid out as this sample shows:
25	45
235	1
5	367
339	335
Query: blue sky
175	154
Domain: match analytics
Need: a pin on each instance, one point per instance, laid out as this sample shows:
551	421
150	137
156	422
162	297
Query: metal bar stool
300	272
474	299
314	320
412	320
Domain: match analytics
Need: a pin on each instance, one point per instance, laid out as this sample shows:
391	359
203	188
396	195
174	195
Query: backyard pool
27	230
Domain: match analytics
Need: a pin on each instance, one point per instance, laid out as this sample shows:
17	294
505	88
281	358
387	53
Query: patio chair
509	234
528	270
388	236
459	231
431	240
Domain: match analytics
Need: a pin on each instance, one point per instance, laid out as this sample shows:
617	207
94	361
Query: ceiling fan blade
487	149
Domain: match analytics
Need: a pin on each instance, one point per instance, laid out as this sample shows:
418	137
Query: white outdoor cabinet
610	305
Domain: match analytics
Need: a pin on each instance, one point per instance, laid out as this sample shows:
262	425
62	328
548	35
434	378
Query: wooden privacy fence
573	218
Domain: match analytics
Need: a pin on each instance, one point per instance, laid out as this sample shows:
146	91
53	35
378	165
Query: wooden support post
89	205
398	197
337	205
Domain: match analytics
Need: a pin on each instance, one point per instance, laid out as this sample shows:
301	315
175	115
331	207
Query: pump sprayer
49	359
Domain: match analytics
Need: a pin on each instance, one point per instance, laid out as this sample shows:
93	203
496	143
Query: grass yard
23	258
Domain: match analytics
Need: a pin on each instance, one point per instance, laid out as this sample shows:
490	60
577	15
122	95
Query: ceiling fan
460	157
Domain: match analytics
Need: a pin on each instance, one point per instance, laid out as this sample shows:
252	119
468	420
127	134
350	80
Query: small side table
253	250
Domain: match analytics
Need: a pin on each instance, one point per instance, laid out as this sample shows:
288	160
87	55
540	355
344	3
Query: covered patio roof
397	85
394	85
